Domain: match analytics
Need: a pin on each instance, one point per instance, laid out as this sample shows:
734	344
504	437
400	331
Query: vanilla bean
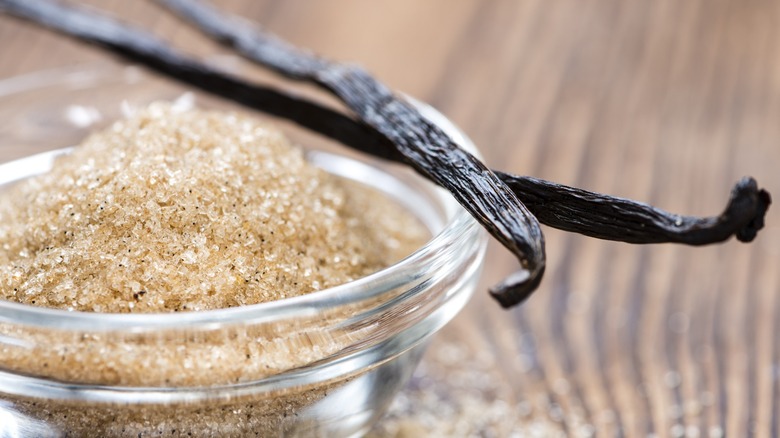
423	145
559	206
563	207
611	218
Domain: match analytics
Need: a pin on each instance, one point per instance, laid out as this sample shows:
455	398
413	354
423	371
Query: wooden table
666	102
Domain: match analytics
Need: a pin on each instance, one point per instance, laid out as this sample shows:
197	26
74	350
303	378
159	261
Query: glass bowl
355	345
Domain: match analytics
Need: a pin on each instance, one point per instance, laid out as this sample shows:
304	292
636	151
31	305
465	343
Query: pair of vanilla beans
386	125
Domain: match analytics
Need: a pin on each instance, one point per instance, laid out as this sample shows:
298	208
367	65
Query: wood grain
667	102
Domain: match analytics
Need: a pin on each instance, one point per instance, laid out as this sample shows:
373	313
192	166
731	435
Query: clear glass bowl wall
358	343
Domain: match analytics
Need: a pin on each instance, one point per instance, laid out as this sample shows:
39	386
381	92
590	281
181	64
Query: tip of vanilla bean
517	287
747	188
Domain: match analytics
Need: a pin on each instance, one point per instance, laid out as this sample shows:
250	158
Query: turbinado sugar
172	211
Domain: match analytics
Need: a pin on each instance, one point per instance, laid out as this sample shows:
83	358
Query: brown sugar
173	211
183	211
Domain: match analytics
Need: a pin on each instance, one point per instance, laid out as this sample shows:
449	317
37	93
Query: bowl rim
458	225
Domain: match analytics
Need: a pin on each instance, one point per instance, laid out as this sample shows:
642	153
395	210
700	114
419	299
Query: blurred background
666	102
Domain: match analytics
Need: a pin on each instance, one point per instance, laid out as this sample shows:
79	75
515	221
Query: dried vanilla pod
389	127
